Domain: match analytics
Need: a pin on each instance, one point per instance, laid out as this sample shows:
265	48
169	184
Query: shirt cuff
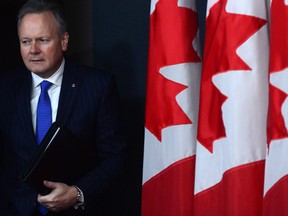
80	199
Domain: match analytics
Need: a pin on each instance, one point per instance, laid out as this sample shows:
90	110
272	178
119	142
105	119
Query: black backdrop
112	35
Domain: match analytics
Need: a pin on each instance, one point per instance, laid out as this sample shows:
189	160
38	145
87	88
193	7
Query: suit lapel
69	88
24	106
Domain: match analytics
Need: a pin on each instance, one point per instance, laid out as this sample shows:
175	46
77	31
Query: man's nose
34	48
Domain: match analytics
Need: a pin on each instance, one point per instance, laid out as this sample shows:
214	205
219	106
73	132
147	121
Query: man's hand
61	197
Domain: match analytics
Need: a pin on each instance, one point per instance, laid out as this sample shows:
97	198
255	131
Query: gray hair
40	6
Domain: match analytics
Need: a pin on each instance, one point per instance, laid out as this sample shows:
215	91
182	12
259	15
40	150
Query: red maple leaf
276	128
225	32
172	30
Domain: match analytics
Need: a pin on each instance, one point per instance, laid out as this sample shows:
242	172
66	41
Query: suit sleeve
6	207
111	146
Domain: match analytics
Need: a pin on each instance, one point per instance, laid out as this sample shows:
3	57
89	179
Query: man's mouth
36	60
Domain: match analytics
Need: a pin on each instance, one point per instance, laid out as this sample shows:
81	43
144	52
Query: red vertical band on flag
275	201
239	193
171	192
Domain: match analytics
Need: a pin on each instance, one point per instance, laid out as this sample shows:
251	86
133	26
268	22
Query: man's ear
64	41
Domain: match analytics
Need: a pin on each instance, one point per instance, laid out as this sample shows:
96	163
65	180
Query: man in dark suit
82	98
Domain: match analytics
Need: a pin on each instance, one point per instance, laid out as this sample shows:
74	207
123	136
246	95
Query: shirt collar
56	78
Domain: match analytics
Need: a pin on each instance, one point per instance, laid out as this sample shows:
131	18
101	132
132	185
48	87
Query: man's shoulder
87	72
79	67
10	76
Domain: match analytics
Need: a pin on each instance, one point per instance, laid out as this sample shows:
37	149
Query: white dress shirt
54	92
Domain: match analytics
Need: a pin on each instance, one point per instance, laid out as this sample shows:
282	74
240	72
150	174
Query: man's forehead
38	24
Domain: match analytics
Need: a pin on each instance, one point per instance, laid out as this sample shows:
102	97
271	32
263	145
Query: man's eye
43	40
25	42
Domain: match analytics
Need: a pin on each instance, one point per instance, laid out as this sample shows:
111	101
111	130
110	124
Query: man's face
40	45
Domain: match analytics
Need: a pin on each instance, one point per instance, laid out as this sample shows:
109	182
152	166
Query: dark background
112	35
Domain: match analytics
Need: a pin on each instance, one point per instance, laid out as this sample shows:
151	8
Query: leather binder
56	159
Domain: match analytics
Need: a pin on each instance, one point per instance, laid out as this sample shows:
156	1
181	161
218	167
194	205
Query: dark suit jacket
88	106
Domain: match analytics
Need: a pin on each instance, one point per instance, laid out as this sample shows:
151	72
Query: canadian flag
276	171
173	85
231	147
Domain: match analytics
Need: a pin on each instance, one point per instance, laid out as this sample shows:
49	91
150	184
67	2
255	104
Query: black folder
59	158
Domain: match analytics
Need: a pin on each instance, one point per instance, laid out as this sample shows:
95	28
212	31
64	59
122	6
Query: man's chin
43	74
36	70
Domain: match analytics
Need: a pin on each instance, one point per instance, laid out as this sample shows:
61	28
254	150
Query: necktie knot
45	85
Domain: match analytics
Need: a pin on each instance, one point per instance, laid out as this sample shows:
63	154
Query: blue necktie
43	120
44	113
